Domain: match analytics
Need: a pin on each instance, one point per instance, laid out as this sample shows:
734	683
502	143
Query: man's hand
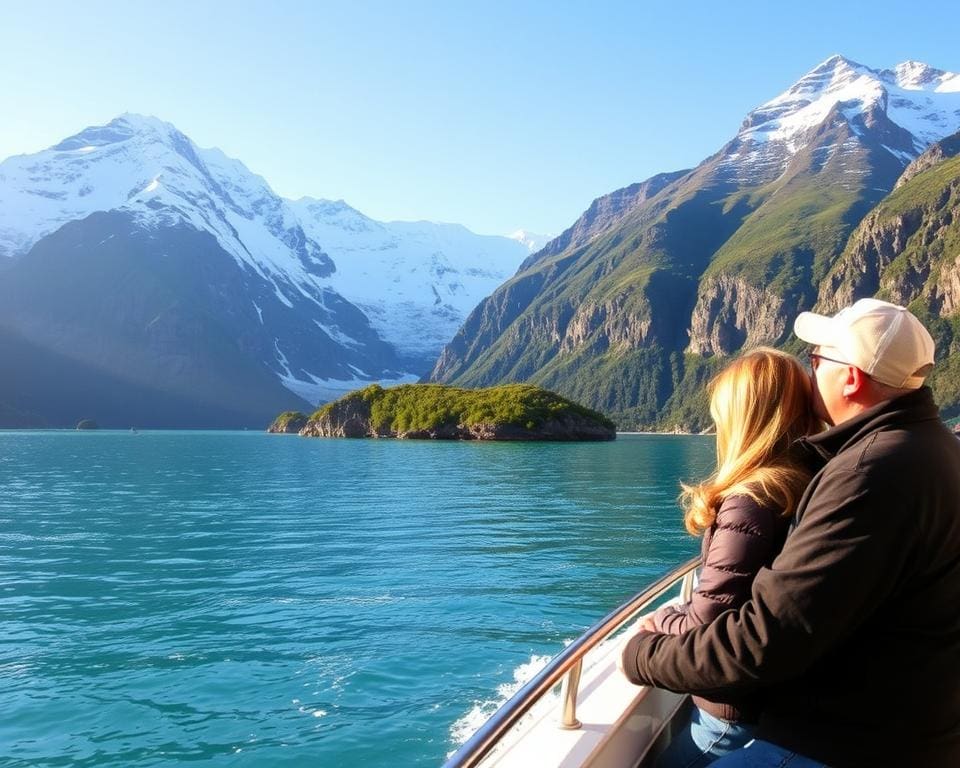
643	624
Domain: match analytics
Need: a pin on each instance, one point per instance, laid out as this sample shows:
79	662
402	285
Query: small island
288	423
438	412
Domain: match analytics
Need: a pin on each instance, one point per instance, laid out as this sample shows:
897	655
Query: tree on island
435	411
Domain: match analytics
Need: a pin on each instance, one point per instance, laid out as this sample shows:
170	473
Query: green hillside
634	320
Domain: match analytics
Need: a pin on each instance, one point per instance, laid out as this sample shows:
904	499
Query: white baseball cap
883	340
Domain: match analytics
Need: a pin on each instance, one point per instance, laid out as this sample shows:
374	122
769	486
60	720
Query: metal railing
568	662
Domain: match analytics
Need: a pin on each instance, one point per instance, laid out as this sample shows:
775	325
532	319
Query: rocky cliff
636	304
938	152
732	314
288	423
907	250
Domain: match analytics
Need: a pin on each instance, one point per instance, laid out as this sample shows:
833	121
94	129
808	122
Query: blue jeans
763	754
702	740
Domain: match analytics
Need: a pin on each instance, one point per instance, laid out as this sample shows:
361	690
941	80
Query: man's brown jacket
852	636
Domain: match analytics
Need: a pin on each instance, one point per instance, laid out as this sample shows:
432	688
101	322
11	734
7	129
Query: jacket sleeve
742	542
836	569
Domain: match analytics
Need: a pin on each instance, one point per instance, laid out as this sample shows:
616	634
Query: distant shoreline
671	433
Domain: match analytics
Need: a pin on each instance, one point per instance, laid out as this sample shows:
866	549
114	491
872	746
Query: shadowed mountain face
632	308
104	320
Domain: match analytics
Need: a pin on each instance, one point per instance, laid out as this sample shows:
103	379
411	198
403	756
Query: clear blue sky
498	115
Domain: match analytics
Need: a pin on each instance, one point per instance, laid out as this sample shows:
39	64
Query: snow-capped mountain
415	281
147	167
533	241
910	106
328	299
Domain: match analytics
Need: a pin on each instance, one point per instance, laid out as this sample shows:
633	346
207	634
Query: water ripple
247	599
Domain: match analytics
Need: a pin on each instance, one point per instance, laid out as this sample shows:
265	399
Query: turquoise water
242	599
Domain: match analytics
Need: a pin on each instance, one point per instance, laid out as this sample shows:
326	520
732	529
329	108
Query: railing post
570	660
568	694
687	586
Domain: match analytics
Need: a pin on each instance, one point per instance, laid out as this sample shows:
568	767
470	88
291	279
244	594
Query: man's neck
863	401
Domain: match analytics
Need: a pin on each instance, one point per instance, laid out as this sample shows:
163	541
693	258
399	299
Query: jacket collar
909	408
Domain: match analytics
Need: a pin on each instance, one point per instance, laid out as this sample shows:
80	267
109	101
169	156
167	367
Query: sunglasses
816	357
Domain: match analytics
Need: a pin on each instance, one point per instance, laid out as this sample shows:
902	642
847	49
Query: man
852	636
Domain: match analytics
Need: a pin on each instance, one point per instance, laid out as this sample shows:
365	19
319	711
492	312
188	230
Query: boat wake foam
481	711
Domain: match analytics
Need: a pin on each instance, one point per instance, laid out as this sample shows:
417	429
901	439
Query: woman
760	404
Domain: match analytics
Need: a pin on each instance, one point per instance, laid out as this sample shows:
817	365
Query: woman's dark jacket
853	634
745	537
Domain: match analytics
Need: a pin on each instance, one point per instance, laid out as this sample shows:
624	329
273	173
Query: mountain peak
830	75
918	76
140	122
143	165
809	100
915	73
914	96
120	129
834	63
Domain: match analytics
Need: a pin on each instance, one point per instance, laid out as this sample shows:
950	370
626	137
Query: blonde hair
760	404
